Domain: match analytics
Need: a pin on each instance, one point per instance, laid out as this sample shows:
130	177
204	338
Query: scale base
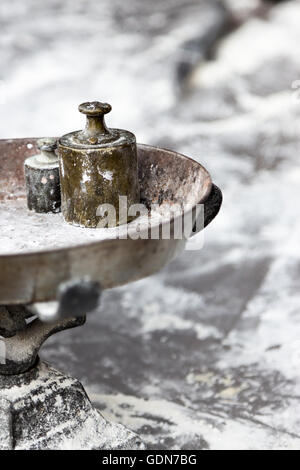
44	409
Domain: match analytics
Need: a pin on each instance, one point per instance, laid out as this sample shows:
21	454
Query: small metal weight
42	178
97	165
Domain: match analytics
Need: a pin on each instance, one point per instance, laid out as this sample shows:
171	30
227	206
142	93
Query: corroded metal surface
21	349
43	409
42	178
43	189
165	177
12	320
97	165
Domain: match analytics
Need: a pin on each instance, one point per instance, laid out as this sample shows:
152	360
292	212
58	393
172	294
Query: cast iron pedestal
40	408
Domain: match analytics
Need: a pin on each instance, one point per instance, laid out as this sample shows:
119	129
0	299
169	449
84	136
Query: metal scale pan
34	274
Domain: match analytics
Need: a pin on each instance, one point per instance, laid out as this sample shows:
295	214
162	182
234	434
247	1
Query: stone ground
206	354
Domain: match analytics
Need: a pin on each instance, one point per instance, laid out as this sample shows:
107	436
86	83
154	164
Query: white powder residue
178	421
85	177
23	231
107	175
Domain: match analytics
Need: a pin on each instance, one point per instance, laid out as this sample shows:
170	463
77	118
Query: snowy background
206	354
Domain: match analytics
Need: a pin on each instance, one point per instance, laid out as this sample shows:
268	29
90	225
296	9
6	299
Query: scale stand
41	408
